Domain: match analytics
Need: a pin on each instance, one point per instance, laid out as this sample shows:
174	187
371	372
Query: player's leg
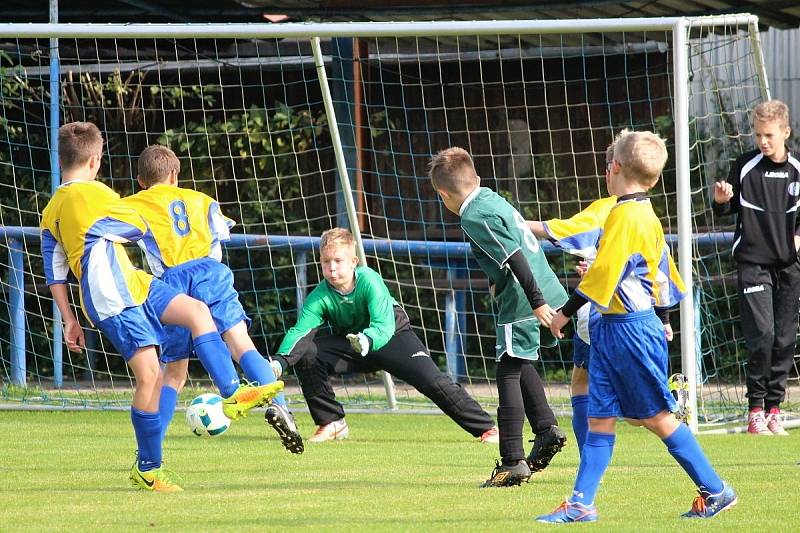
258	370
147	472
255	366
549	439
144	408
786	305
405	357
173	379
135	333
181	310
595	458
323	356
580	390
714	494
513	468
758	323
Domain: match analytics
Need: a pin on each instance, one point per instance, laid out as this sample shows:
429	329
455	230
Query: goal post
255	114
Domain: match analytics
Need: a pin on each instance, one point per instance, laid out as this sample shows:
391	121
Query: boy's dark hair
77	142
452	170
155	164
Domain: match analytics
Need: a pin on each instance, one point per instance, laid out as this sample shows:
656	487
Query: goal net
248	114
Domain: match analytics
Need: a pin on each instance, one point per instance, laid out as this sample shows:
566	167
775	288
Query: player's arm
220	226
522	271
537	228
600	282
381	317
300	338
73	333
56	270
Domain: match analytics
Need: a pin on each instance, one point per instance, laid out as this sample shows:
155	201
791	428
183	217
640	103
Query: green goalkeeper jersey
496	231
367	309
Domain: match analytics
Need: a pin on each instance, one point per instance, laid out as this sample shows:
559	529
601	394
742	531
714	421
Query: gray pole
344	181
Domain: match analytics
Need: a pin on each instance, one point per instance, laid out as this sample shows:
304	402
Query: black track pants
405	357
768	305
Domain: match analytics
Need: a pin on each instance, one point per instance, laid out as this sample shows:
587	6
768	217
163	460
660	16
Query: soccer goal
296	128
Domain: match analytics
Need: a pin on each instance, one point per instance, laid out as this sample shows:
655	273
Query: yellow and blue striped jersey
83	228
633	270
184	225
580	234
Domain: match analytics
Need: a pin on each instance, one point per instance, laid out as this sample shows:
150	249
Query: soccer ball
205	416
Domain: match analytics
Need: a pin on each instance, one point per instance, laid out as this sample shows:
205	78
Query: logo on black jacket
794	188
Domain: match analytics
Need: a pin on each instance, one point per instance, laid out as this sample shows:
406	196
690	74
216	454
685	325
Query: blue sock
166	407
216	359
580	420
257	369
147	428
683	446
595	458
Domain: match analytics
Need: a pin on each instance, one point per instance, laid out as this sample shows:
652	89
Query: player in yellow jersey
580	235
83	228
633	276
183	248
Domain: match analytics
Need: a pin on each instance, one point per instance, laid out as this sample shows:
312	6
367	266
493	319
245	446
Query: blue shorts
211	282
580	352
628	367
140	326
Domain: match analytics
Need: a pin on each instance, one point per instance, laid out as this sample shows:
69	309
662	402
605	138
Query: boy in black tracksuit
763	190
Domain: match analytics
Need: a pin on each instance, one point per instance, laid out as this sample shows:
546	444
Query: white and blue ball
205	416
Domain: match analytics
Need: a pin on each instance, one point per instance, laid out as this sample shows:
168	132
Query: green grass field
67	471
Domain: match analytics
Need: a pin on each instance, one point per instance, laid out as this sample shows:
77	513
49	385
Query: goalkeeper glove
277	369
359	342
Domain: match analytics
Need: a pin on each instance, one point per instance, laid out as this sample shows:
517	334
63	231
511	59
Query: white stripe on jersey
105	297
745	203
794	162
59	263
749	165
632	292
153	261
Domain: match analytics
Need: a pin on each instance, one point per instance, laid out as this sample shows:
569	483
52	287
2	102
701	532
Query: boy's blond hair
155	164
642	155
452	170
336	237
610	153
77	142
772	110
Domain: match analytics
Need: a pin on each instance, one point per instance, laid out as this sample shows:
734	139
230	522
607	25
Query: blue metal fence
455	257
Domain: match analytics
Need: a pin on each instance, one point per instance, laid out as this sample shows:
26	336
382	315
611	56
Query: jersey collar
475	192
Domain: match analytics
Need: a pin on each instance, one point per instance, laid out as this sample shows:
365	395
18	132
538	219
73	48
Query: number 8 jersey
496	231
184	225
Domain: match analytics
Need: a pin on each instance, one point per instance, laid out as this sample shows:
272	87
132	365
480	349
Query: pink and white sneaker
775	422
336	430
757	423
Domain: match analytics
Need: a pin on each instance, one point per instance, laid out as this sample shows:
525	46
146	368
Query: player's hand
545	314
723	192
581	268
557	324
277	369
359	342
668	332
73	336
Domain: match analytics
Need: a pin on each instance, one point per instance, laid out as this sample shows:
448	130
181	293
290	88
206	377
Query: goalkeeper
371	332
